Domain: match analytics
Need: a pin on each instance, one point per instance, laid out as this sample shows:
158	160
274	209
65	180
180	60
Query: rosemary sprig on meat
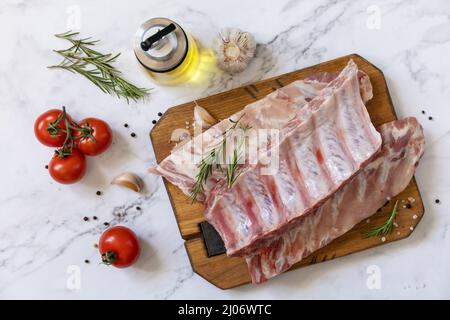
233	165
386	227
214	158
97	67
211	160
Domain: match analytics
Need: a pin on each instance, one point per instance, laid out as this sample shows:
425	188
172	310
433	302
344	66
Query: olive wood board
226	272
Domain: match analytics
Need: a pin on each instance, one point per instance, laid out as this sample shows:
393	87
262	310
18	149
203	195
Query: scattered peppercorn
86	261
106	223
423	111
46	166
408	205
86	219
125	125
99	193
133	134
94	217
95	245
153	121
437	201
159	114
430	118
138	208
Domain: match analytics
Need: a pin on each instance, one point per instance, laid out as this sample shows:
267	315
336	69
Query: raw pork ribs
330	139
385	176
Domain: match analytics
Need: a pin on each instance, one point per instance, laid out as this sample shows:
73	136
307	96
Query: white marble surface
41	227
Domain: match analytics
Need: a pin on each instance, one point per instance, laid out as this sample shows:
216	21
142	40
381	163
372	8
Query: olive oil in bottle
166	51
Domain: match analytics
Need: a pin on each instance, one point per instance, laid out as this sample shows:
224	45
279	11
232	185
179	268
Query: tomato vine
54	129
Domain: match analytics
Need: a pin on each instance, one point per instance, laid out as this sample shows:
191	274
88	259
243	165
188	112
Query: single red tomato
47	131
119	246
94	137
68	169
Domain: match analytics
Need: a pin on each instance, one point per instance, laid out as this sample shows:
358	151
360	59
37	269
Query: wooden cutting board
226	272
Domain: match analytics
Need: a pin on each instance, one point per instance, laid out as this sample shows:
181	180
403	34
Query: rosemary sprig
206	167
97	67
386	227
233	165
214	157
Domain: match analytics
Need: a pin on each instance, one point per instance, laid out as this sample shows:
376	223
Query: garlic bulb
235	49
129	180
202	118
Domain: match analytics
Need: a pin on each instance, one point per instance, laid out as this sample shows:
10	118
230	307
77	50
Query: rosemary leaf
386	227
97	67
214	158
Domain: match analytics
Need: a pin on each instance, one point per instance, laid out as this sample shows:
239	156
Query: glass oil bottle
166	51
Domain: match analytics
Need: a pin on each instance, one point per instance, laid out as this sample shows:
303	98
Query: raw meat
386	176
274	111
329	141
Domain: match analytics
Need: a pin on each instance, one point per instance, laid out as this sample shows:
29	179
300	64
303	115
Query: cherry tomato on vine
49	128
119	247
67	169
93	137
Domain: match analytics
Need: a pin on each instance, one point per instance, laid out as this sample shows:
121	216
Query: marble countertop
44	241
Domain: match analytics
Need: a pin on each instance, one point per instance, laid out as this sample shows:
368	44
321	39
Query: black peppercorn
94	217
138	208
437	201
133	134
125	125
106	223
99	193
86	261
46	167
85	218
159	114
430	118
153	121
423	111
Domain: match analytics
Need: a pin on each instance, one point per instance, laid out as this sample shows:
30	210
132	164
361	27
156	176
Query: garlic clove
235	49
179	145
203	118
180	134
129	180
